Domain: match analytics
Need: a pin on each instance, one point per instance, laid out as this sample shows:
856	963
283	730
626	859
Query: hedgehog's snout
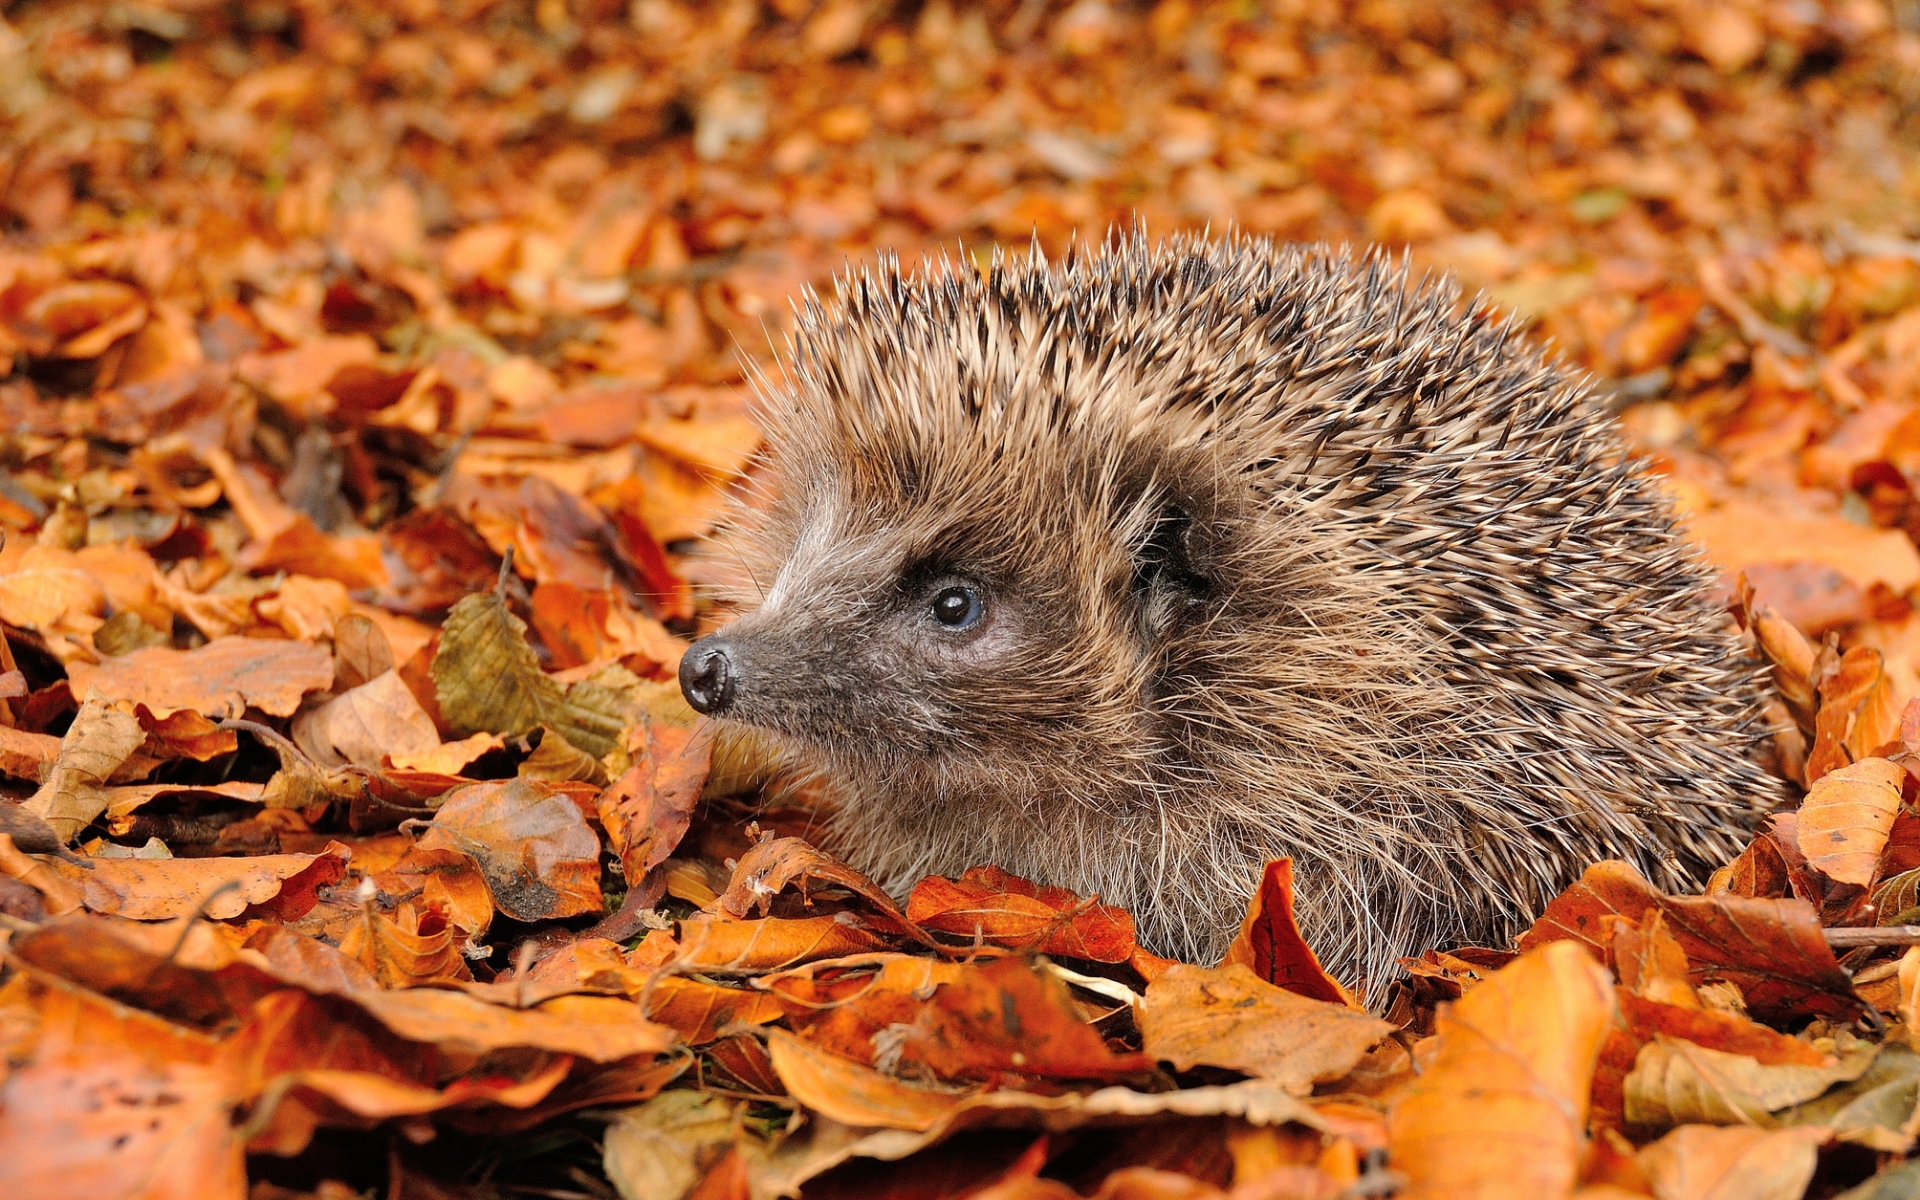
710	675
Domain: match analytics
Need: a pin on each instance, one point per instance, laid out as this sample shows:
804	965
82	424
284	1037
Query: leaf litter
375	370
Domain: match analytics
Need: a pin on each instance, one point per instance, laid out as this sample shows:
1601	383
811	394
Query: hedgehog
1133	572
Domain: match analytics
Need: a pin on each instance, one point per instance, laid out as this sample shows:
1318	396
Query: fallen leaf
103	1100
1702	1162
1270	943
101	738
1845	819
700	1011
1675	1082
488	680
1772	950
597	1028
766	870
722	946
366	724
666	1146
540	858
415	946
1003	910
223	678
160	889
1501	1106
647	810
852	1094
1229	1017
1006	1020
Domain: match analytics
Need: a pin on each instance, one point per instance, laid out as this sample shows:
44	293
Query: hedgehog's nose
708	675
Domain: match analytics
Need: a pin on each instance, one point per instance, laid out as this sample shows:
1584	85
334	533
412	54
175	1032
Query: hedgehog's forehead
987	491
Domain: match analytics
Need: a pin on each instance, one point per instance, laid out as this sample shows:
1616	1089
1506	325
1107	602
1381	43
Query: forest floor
376	369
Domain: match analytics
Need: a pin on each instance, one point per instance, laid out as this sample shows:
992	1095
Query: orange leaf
1501	1107
600	1029
1229	1017
1772	950
646	811
764	871
540	858
701	1012
104	1100
1702	1162
841	1008
1008	1020
1270	943
156	889
414	946
774	943
845	1091
1004	910
1846	817
220	679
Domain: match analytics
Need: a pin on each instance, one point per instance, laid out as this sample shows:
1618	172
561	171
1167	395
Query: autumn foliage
374	369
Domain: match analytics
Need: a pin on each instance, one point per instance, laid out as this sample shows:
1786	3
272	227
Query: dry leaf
1270	943
1229	1017
1003	910
366	724
539	857
221	679
1677	1083
102	737
1700	1162
1502	1104
1846	817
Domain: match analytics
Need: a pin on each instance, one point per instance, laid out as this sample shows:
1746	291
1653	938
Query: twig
1885	935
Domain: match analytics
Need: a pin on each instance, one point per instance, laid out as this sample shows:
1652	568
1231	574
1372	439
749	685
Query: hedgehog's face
944	641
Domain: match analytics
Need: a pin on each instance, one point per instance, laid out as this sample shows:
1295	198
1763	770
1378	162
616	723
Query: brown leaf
667	1145
701	1011
1677	1082
1772	950
1859	713
361	651
184	734
1501	1107
488	679
540	858
416	945
765	871
221	679
842	1009
1792	656
308	962
721	946
366	724
446	878
1006	1020
1229	1017
59	894
597	1028
1701	1162
1270	943
852	1094
101	738
26	755
157	889
104	1100
1004	910
1846	817
647	810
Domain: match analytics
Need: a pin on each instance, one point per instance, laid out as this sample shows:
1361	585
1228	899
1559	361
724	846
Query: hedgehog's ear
1166	573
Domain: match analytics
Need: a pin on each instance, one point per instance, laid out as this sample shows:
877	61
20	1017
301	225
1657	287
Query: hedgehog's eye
957	607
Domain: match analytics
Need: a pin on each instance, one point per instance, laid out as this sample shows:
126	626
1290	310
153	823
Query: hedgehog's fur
1283	555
